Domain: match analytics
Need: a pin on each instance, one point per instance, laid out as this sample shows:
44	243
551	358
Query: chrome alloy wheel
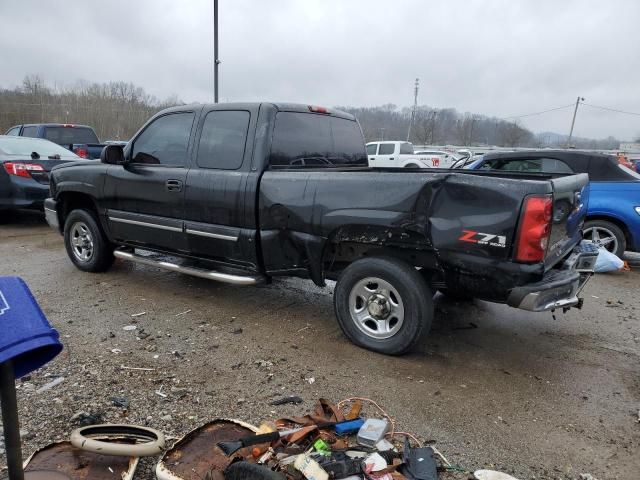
81	241
376	308
602	237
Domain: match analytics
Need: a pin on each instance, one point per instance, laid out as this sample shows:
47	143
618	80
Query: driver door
145	197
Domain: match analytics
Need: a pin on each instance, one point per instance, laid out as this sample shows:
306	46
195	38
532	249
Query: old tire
607	235
86	244
383	304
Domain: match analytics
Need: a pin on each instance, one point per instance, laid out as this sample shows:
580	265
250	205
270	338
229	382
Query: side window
553	165
406	149
372	149
223	139
165	141
386	149
13	131
30	132
529	165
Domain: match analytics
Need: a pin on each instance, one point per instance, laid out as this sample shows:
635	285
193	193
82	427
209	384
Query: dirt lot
493	386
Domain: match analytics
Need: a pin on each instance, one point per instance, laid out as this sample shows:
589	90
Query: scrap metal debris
285	400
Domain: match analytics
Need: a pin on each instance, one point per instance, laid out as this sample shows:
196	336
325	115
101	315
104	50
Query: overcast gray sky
499	58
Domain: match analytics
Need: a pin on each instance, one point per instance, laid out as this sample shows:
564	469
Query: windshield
26	146
70	135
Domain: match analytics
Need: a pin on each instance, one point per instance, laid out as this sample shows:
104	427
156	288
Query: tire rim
602	237
376	308
81	241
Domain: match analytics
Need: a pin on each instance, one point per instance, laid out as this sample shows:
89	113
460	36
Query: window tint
406	149
30	132
165	141
386	149
13	131
223	139
317	140
535	165
372	149
70	135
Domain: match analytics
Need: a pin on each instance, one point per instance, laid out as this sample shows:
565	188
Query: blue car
613	215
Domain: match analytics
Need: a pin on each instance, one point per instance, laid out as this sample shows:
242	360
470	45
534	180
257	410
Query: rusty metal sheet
77	464
197	455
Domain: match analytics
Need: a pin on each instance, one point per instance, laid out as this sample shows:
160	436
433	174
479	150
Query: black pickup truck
245	192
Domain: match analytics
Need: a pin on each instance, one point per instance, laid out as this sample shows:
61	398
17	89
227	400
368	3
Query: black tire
613	229
411	165
101	257
409	317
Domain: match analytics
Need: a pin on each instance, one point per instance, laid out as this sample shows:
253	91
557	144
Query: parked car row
80	139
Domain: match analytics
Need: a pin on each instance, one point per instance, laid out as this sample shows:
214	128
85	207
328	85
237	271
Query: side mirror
113	155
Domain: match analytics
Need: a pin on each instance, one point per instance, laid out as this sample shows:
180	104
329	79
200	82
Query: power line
611	109
538	113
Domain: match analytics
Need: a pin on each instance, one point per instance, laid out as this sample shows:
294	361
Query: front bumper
51	213
559	288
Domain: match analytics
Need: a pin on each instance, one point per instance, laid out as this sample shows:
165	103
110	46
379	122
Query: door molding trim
217	236
144	224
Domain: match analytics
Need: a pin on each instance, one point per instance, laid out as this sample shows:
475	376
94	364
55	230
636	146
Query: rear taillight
81	152
22	169
535	228
316	109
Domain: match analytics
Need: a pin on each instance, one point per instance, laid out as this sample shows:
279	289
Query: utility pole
573	122
216	61
415	107
381	134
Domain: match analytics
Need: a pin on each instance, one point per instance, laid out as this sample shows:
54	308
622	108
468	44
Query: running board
195	272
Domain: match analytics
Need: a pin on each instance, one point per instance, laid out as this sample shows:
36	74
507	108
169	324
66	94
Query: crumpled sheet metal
80	465
197	454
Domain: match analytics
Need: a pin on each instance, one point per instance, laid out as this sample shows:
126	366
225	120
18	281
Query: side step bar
195	272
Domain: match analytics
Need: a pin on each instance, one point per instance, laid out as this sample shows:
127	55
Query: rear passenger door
215	223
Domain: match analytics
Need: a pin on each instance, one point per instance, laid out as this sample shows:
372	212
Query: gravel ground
492	386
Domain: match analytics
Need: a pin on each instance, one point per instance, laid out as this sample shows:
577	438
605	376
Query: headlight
637	209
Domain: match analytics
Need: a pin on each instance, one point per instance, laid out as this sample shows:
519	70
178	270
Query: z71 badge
483	238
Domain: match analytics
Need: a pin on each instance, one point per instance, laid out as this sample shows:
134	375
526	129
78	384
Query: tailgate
570	201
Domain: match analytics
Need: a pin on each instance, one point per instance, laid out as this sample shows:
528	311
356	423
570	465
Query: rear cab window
316	140
406	149
70	135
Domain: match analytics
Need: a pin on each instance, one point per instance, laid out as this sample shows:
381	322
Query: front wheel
383	304
86	244
606	234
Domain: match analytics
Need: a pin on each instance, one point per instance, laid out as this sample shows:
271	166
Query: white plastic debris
310	468
492	475
134	315
129	328
50	385
310	380
607	262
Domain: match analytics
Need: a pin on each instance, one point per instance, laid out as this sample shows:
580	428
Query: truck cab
399	154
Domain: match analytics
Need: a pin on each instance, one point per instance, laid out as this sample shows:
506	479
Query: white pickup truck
401	154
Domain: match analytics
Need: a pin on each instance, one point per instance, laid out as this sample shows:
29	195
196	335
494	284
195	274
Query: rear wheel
411	165
86	244
383	304
606	234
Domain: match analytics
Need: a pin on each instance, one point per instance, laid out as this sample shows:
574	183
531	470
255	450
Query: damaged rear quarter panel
300	210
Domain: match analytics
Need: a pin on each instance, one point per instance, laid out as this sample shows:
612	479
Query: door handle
174	185
390	158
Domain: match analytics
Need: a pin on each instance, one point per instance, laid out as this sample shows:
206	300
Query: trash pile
335	441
